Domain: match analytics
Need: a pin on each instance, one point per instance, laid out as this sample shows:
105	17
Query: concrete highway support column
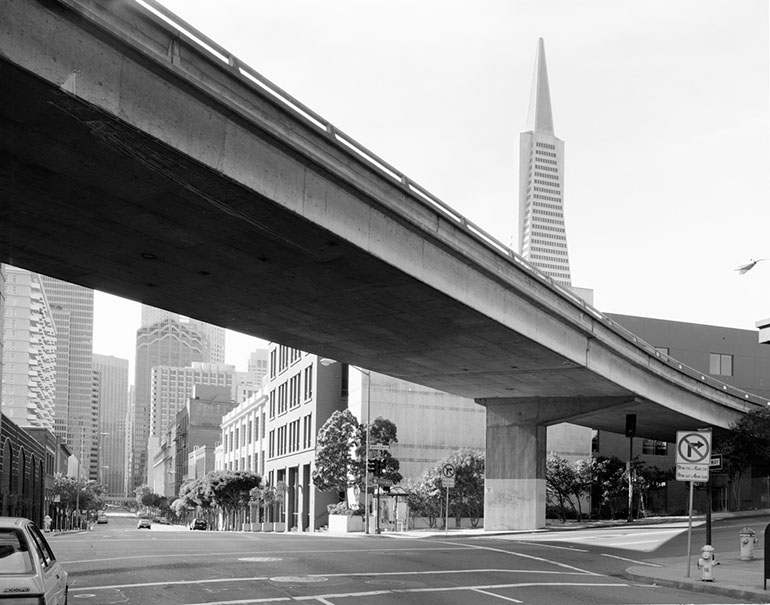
514	495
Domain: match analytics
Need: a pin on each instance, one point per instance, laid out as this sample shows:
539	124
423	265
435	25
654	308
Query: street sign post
693	458
693	455
447	480
448	475
716	462
378	449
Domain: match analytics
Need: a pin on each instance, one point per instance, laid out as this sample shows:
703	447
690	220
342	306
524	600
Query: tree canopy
333	454
68	488
466	498
341	451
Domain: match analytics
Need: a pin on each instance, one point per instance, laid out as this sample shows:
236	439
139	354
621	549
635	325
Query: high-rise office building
113	409
75	419
166	339
171	387
128	482
29	352
165	343
213	335
257	366
542	233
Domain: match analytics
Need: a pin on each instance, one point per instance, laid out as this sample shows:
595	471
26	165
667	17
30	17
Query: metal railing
419	193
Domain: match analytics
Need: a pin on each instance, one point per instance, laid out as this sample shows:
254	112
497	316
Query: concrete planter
267	526
279	526
345	524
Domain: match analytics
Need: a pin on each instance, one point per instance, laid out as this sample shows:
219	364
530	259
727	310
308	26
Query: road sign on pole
693	455
448	475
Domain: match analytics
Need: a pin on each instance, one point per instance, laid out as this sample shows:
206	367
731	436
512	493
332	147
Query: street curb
701	587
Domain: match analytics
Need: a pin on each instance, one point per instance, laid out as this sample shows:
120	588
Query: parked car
28	567
102	518
144	524
199	524
164	521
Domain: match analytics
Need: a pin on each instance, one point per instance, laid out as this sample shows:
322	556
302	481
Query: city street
117	563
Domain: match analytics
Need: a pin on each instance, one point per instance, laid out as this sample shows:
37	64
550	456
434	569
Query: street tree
194	494
466	498
381	431
149	499
77	490
230	491
560	480
334	452
747	444
269	496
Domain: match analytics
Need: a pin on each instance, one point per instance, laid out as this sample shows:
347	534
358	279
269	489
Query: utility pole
630	432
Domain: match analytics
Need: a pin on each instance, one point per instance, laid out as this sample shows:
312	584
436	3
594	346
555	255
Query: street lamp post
327	362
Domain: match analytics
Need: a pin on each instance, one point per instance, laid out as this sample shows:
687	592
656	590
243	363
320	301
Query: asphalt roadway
590	563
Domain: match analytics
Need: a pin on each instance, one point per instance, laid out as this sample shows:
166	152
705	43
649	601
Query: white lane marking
252	553
426	590
492	594
609	535
325	575
627	543
631	560
532	557
539	545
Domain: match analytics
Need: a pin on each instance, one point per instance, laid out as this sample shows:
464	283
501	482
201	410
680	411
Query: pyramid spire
539	116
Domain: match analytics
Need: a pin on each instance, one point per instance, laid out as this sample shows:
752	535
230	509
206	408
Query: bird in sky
748	266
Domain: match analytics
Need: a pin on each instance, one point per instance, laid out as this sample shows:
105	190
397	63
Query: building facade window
308	383
720	364
654	448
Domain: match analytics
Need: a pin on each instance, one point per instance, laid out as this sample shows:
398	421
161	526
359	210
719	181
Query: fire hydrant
748	542
706	563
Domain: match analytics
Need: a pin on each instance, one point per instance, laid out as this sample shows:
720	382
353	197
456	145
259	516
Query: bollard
706	563
748	542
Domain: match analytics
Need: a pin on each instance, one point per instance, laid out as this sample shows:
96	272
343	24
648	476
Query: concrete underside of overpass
131	164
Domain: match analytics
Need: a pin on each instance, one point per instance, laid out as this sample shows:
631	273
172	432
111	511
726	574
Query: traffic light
630	425
373	466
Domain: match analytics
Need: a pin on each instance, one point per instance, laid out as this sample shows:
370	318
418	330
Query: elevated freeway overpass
142	159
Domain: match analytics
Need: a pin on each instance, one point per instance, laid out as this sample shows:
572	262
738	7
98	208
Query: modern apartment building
75	418
113	411
542	232
29	352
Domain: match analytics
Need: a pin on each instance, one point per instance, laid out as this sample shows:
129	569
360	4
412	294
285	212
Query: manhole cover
259	559
299	579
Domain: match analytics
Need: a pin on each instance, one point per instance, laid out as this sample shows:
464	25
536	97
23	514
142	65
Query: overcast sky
662	104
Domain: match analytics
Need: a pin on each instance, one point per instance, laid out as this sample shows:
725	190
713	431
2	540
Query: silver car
29	570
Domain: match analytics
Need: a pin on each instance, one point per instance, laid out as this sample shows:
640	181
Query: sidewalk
732	577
